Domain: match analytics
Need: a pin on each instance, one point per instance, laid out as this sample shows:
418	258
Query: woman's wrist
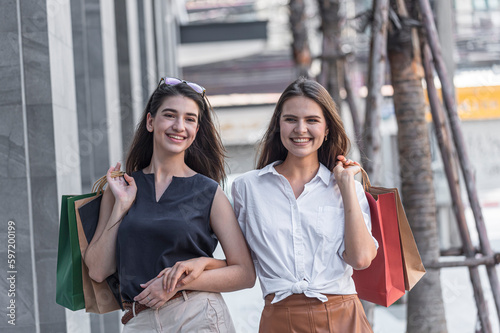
212	263
346	181
122	207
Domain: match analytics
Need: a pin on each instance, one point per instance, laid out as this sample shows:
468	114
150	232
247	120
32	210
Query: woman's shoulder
137	174
247	177
201	181
256	175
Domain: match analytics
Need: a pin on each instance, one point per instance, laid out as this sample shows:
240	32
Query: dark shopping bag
397	266
69	287
100	297
71	291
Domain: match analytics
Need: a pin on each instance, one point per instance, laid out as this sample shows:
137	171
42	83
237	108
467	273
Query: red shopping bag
383	282
398	265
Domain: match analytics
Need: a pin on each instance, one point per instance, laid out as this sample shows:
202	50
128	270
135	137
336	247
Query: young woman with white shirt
305	218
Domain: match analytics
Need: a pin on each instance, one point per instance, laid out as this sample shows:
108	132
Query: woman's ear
149	122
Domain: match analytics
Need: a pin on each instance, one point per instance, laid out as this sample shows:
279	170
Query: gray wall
67	109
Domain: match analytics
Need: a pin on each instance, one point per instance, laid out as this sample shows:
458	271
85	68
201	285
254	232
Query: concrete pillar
94	112
39	153
445	27
90	90
150	71
111	79
166	37
448	228
124	74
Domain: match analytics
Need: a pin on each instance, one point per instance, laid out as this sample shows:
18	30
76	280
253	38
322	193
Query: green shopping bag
69	288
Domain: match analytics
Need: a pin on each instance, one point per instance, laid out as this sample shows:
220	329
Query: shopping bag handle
366	180
101	182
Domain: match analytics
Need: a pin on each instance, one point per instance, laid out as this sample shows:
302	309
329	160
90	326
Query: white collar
323	173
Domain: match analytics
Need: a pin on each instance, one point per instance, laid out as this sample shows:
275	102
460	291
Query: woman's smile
302	126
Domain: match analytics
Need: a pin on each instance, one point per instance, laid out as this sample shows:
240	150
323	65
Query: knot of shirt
300	287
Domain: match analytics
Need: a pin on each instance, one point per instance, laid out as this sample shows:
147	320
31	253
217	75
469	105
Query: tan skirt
300	314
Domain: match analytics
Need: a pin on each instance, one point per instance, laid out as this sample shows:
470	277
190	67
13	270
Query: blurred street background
76	75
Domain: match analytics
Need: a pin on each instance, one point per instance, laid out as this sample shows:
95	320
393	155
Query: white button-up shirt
296	244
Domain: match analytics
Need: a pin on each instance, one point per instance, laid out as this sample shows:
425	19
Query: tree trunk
371	159
300	43
331	25
425	303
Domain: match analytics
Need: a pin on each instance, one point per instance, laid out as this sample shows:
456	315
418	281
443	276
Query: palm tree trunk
331	25
425	303
300	43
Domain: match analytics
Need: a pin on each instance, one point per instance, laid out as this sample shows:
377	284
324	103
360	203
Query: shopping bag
99	297
69	287
413	268
383	282
69	277
384	275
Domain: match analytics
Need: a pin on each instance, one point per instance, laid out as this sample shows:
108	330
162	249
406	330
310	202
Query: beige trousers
197	311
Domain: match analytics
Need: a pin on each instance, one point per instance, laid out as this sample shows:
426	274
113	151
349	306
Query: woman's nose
178	125
300	127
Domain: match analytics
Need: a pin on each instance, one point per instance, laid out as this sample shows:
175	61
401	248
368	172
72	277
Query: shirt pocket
330	223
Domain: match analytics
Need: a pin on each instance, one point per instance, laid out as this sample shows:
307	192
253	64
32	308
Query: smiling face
302	127
175	124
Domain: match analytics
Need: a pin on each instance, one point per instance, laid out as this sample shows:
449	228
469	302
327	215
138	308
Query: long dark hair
272	149
205	155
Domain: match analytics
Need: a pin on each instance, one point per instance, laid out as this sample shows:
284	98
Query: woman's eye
193	120
169	115
289	119
312	120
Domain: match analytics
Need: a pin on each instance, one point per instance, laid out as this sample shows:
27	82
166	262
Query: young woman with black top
305	218
162	220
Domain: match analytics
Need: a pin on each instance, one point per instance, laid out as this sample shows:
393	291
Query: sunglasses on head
173	81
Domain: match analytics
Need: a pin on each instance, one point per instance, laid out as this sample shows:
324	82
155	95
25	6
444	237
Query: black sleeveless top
154	235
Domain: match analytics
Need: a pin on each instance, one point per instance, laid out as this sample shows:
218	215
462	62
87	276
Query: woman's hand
345	169
123	188
184	272
154	295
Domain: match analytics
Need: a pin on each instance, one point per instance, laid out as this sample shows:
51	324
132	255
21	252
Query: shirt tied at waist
300	287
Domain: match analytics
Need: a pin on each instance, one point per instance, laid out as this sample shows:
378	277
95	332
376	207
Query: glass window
494	4
480	4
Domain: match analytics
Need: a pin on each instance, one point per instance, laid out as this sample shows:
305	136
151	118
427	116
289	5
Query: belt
130	312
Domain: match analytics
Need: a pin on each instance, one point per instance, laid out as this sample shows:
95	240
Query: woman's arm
360	248
186	271
239	272
116	201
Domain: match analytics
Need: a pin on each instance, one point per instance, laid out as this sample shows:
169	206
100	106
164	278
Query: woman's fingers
174	276
185	280
347	161
145	285
142	297
163	272
130	180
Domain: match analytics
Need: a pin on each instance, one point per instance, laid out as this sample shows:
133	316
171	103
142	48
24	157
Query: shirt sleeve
365	209
239	207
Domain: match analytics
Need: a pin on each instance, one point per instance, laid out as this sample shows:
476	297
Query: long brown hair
205	155
271	147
